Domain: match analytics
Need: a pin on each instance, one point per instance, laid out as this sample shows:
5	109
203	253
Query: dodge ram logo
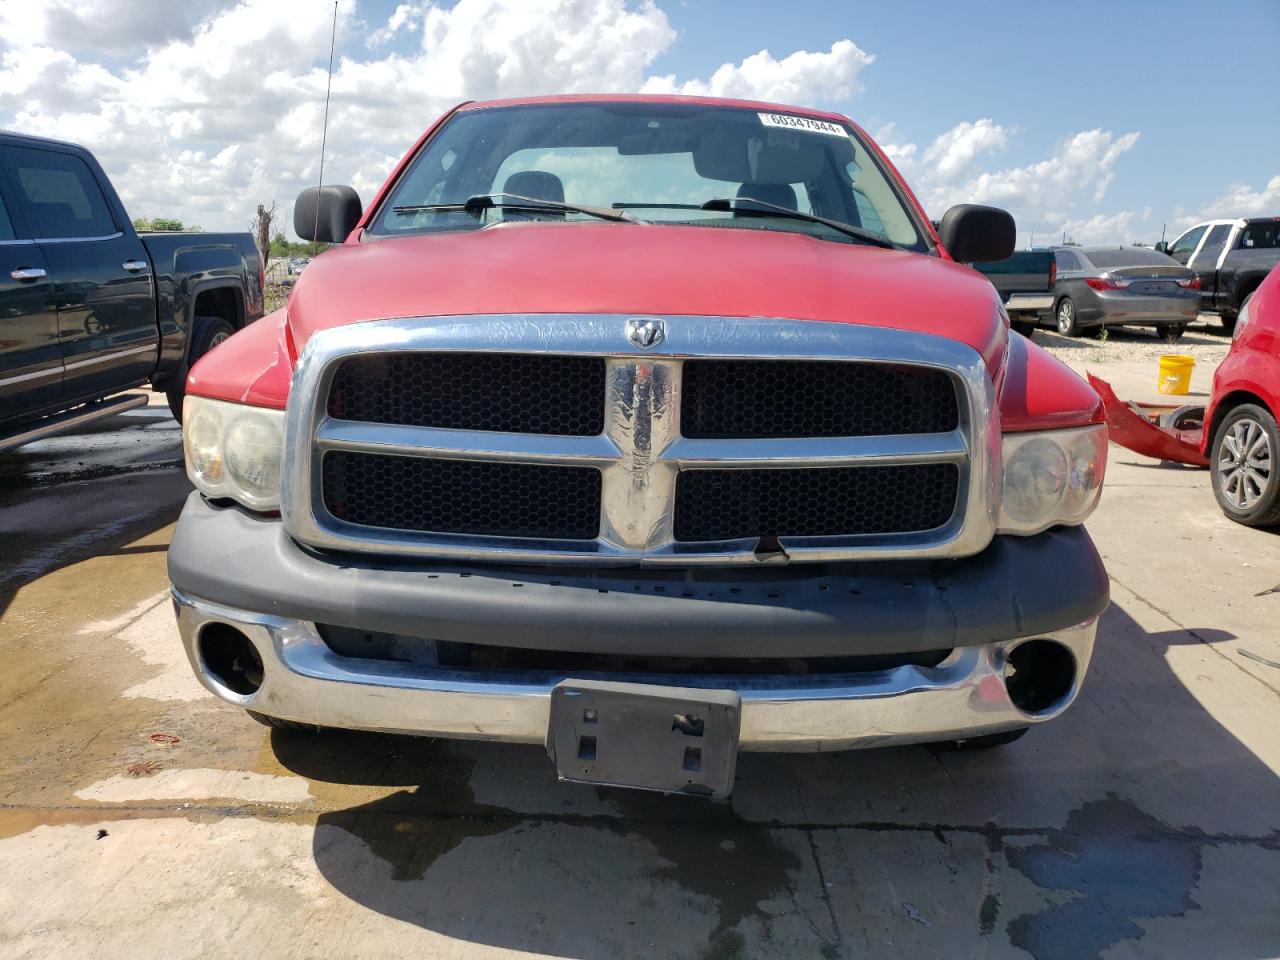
645	333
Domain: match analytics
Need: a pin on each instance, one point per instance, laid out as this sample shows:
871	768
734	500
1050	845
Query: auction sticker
789	122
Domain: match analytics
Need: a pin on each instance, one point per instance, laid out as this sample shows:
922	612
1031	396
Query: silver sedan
1113	286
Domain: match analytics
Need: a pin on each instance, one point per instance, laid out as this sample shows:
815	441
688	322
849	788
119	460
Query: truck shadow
1090	831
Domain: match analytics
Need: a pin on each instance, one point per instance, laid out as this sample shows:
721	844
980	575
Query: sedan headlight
1051	477
234	450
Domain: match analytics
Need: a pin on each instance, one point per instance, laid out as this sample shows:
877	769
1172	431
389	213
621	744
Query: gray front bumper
1017	587
228	567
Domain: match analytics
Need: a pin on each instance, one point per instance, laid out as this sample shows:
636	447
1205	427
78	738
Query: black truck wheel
206	333
1025	327
1243	463
1171	332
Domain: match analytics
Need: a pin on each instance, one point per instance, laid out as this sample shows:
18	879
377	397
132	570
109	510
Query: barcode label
789	122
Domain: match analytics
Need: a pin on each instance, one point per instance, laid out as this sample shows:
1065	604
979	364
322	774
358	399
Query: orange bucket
1175	373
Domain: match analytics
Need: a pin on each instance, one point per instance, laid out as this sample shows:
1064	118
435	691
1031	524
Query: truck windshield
660	162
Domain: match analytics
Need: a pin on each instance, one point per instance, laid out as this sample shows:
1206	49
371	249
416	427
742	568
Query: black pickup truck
1231	257
1025	282
88	308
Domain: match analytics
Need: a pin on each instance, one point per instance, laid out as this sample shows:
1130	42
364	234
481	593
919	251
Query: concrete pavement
1143	823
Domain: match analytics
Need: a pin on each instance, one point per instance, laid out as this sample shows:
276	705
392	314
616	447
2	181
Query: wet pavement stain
713	853
1122	863
701	848
989	909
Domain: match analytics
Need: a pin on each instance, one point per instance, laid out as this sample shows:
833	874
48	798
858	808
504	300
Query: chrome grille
462	496
727	399
515	393
814	502
882	484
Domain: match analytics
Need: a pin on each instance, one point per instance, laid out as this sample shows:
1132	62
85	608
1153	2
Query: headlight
1051	477
234	450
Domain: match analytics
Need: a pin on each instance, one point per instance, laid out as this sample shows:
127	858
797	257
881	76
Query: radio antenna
324	131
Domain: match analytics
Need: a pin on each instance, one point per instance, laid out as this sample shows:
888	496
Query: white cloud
1045	197
1239	200
952	153
406	17
108	26
1102	228
202	110
800	77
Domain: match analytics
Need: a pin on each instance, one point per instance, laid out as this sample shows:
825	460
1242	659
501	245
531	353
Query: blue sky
1206	119
1102	120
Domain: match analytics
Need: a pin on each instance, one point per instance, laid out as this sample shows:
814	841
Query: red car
1236	435
650	429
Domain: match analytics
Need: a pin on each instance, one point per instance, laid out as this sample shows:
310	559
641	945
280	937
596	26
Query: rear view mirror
326	214
1162	247
972	232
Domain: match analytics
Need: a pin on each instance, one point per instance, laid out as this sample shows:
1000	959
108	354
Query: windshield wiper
762	208
478	204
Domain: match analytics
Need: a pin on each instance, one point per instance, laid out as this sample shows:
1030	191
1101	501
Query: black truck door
101	275
1205	262
30	355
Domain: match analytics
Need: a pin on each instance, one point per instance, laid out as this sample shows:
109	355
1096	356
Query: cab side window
1186	244
59	195
1213	245
1261	236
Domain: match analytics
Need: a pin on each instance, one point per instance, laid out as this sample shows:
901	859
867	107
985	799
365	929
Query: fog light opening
230	658
1039	675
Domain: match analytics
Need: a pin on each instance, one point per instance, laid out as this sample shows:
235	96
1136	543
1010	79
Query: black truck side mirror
1162	247
972	233
326	214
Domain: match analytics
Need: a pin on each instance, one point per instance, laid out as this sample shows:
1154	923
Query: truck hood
542	267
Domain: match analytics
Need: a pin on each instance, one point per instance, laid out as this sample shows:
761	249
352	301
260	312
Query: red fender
1131	429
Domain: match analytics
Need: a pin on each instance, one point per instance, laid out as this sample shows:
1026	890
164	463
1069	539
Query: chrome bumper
303	680
1029	301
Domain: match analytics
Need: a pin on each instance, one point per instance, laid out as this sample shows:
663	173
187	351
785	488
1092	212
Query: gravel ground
1203	340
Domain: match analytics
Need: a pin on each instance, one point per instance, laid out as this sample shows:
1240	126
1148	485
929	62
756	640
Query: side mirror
326	214
1162	247
973	233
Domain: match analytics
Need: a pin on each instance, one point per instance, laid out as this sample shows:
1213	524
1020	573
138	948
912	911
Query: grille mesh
514	393
726	399
462	496
836	501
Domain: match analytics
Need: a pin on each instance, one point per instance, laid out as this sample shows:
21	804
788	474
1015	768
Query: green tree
282	247
161	224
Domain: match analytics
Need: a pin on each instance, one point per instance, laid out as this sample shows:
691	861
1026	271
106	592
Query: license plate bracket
643	736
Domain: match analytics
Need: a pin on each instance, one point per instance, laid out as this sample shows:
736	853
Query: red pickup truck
650	429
